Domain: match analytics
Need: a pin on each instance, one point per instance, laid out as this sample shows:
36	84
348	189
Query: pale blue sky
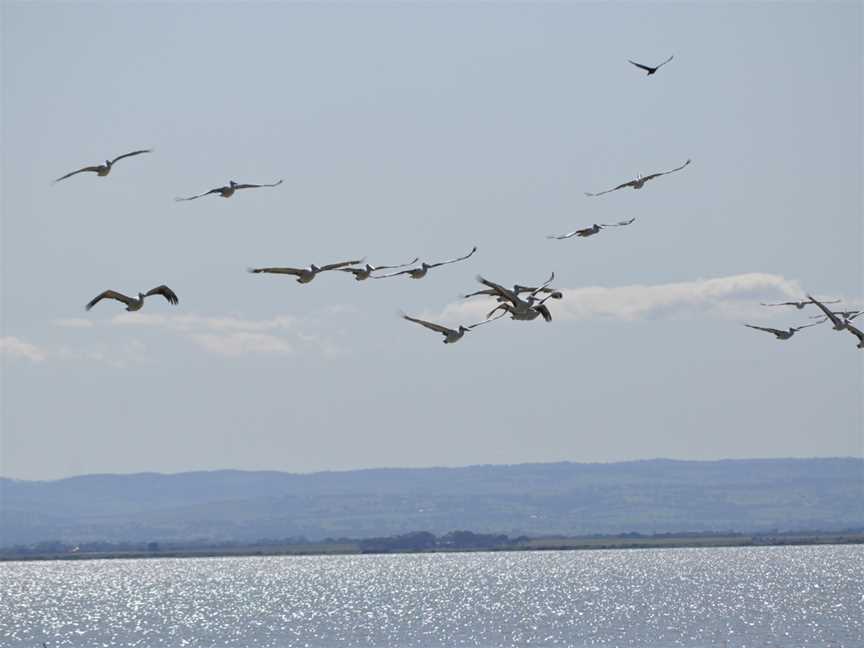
421	130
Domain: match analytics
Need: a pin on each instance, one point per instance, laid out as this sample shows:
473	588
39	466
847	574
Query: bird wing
487	291
665	62
256	186
165	291
546	283
662	173
621	186
544	311
619	223
644	67
429	325
206	193
858	314
401	265
855	331
486	321
393	274
779	304
561	237
341	264
506	308
499	289
125	155
435	265
767	330
834	319
803	326
354	271
288	271
94	169
109	294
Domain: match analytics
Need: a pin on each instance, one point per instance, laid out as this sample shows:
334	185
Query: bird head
314	268
108	163
140	295
462	329
232	184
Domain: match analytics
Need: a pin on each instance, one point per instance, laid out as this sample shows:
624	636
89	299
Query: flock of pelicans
527	308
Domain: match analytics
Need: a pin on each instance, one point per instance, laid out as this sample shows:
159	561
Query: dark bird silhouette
133	304
779	333
228	190
651	70
641	180
590	231
103	170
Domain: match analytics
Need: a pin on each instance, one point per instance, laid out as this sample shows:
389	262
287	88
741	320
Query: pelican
451	336
651	70
857	333
133	304
520	309
641	180
518	290
103	170
419	273
228	190
848	315
305	275
362	274
590	231
799	304
835	321
535	309
779	333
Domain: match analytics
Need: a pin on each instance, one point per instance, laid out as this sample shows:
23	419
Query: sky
419	129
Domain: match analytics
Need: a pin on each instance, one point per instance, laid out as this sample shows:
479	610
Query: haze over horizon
422	130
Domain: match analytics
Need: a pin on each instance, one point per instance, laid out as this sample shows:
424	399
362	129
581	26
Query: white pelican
103	170
779	333
228	190
590	231
837	324
419	273
848	315
799	304
857	333
651	70
133	304
305	275
451	336
519	309
362	274
638	182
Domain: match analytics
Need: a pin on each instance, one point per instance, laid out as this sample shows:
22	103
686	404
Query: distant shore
388	546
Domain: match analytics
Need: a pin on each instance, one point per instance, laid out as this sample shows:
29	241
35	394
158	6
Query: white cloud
242	343
15	348
733	297
73	322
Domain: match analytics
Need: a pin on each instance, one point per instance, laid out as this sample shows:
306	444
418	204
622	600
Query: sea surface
760	596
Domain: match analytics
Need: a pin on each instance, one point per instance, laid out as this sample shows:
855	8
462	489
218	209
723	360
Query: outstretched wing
546	283
488	291
94	169
109	294
544	311
401	265
665	62
125	155
486	321
499	289
621	186
644	67
206	193
393	274
165	291
288	271
256	186
779	304
834	319
662	173
462	258
855	331
561	237
429	325
341	264
619	223
762	328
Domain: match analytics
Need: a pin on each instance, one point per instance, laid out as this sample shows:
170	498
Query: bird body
639	182
132	303
228	190
103	170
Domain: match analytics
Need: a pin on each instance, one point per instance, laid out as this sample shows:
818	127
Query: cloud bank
16	348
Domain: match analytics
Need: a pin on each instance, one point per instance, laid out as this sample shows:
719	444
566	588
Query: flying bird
305	275
848	315
837	324
419	273
103	170
779	333
451	336
638	182
590	231
520	309
362	274
228	190
648	68
133	304
857	333
799	304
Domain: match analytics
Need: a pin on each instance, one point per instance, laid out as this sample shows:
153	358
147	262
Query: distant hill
656	496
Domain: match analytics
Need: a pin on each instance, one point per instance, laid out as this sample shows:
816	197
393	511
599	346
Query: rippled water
784	596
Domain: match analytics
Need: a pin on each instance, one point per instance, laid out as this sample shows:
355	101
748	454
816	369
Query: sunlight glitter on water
771	596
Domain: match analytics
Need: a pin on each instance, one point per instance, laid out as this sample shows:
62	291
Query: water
769	596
